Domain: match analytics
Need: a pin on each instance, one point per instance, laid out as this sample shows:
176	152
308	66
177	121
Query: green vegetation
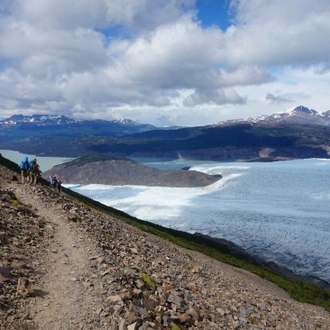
175	327
299	290
148	280
108	236
14	202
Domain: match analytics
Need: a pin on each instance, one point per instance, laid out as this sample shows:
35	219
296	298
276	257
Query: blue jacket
25	160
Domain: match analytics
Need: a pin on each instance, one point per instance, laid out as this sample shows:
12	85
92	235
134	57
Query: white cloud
208	96
131	15
277	98
280	32
151	59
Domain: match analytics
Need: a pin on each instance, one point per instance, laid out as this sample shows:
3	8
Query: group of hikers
55	183
30	173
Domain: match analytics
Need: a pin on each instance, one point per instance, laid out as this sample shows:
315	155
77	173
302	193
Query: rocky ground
91	271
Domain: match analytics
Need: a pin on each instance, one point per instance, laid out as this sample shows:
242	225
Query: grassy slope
302	291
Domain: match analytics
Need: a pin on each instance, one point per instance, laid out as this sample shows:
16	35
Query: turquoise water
45	163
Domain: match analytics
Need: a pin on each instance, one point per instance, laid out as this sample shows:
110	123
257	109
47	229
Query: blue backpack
25	166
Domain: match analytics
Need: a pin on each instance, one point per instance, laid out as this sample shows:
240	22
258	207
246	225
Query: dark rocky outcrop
97	169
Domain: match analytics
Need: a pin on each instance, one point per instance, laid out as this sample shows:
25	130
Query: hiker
55	183
52	181
58	184
35	172
25	167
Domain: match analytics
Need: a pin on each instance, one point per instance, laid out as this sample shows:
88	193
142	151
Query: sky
163	62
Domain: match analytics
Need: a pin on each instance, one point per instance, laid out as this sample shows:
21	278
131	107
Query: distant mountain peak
298	115
304	110
59	120
37	119
125	121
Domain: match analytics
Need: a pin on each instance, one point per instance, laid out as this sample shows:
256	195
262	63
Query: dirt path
62	300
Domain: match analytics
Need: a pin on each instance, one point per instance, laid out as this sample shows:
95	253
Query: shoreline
265	159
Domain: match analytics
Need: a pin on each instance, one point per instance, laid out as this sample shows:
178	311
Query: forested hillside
225	142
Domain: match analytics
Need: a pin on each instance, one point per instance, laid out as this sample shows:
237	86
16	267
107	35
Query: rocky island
110	170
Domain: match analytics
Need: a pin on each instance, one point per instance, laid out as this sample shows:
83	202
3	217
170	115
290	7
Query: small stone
98	311
131	317
115	298
220	311
132	326
174	299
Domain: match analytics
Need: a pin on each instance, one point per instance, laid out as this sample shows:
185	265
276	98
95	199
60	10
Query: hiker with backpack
35	172
58	184
55	183
25	167
52	181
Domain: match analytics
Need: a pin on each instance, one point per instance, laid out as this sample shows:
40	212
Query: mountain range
296	133
56	123
19	127
298	115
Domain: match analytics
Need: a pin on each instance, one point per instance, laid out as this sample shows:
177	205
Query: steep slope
93	271
98	169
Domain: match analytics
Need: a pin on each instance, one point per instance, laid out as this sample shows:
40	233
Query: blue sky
213	12
164	62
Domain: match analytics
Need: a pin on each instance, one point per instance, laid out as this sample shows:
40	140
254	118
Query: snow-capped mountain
20	127
299	115
37	120
43	120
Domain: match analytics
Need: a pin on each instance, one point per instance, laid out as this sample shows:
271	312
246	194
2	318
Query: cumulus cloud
280	32
277	98
132	16
218	97
111	57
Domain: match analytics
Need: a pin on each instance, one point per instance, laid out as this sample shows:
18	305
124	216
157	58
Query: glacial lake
46	163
